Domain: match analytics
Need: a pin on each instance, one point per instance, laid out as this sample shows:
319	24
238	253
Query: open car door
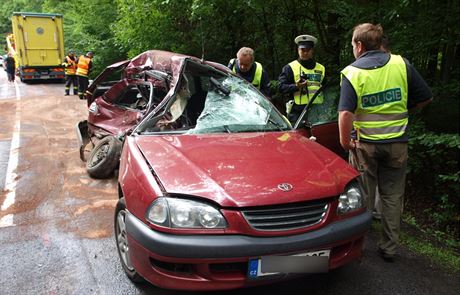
105	80
321	119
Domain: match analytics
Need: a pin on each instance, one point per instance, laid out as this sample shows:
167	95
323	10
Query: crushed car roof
165	61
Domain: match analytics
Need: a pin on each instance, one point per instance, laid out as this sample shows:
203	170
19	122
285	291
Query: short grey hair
245	51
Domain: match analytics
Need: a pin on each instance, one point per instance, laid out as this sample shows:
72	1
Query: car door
118	109
109	76
321	120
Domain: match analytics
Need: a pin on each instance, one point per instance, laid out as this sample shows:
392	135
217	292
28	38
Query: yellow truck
37	45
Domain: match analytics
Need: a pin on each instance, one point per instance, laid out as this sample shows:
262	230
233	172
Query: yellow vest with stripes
315	77
257	75
381	111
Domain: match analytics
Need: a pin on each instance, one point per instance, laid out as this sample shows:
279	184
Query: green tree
6	11
87	27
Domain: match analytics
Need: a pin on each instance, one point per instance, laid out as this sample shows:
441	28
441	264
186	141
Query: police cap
305	41
90	54
72	51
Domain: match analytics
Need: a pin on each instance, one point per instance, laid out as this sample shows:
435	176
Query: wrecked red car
216	189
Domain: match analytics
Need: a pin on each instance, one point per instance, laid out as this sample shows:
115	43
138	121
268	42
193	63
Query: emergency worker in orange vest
70	65
84	67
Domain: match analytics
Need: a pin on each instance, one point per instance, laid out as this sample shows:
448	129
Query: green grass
445	257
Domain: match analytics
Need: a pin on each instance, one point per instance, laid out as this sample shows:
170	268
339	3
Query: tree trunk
430	70
448	58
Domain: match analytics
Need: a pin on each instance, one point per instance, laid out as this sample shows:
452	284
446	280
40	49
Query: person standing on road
70	64
302	77
84	67
247	68
377	90
10	69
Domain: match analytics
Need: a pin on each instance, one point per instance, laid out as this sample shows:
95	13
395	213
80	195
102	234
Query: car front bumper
202	262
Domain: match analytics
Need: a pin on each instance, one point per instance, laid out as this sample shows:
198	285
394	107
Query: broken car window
243	110
326	111
210	101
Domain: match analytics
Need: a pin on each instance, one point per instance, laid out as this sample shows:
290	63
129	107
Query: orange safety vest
70	66
83	66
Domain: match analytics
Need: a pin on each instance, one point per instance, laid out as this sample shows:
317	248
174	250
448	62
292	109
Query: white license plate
309	262
44	77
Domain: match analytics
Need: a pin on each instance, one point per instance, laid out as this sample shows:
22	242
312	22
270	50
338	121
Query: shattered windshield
213	102
242	110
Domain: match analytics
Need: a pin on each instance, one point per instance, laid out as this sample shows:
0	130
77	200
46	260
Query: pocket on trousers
398	155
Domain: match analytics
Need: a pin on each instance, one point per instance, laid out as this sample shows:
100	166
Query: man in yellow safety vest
377	90
250	70
301	78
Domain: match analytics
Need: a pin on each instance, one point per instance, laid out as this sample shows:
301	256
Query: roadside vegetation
425	32
426	243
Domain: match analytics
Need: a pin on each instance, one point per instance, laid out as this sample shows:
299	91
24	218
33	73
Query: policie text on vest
380	98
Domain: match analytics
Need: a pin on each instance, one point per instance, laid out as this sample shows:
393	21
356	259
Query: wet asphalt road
56	223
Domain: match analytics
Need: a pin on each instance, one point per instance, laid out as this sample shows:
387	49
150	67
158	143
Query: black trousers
82	85
69	80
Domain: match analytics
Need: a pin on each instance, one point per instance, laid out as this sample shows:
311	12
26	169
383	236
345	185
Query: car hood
246	169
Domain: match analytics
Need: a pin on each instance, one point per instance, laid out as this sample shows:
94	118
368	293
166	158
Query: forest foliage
426	32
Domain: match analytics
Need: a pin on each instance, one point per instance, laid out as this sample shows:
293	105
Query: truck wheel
104	157
121	239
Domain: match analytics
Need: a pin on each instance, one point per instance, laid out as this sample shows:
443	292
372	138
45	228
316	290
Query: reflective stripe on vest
70	67
381	111
315	77
83	66
257	75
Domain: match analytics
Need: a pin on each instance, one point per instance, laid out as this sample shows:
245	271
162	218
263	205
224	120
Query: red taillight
29	70
57	70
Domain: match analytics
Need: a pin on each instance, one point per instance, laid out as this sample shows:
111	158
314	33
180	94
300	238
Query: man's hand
345	127
301	83
351	144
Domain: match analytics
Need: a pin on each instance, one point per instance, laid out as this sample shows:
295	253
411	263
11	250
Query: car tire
104	157
121	239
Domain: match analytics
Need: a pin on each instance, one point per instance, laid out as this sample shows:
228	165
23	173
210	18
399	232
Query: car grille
287	217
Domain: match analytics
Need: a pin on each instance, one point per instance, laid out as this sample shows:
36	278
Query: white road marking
11	175
6	221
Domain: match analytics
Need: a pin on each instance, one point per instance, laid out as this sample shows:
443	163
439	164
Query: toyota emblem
285	187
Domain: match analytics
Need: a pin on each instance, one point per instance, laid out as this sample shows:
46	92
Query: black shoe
66	94
385	256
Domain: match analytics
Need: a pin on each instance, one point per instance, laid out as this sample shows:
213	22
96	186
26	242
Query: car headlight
183	213
351	199
93	108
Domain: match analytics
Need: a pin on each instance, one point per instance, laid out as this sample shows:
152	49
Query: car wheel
121	238
104	157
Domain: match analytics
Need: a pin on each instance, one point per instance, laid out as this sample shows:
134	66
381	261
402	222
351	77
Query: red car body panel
237	169
113	119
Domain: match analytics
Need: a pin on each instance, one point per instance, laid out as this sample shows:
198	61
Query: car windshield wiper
227	129
219	86
278	125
